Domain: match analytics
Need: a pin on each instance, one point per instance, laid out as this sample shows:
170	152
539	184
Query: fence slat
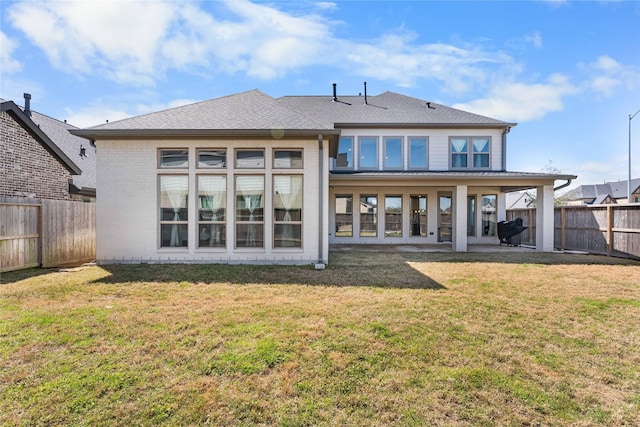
612	230
47	233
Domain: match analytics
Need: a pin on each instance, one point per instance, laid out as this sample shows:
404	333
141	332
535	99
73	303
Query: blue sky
567	72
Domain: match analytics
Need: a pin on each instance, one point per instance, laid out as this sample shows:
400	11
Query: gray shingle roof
70	144
252	110
38	132
388	108
615	189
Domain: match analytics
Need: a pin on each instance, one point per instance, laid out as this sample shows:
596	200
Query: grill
509	232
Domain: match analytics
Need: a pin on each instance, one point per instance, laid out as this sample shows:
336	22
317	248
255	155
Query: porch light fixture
629	181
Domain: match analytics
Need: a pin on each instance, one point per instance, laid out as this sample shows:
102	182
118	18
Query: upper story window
393	152
418	153
215	159
368	152
250	159
287	159
470	152
173	159
344	160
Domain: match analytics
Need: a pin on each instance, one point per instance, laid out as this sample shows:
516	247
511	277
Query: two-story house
249	178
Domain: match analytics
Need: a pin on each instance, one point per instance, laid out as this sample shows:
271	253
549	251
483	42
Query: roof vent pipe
27	104
335	94
365	93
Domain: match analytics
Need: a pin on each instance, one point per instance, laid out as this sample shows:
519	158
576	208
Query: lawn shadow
18	275
370	270
517	257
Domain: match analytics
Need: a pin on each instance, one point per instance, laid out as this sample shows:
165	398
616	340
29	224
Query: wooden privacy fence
46	233
612	230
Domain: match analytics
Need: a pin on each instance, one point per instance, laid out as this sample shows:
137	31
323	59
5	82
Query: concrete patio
440	247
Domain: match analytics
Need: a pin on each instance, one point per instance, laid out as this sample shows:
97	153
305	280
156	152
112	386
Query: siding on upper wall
438	143
26	167
128	207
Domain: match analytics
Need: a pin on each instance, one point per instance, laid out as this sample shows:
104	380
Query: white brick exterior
128	205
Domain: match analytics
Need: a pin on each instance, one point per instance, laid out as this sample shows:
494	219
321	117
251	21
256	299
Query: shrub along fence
46	233
612	230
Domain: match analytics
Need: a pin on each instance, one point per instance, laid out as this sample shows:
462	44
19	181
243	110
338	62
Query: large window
368	216
173	159
489	214
393	152
393	216
250	211
344	159
419	216
174	215
287	211
368	152
470	152
212	206
418	153
344	216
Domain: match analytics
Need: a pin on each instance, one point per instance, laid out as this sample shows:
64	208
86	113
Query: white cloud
523	102
117	40
605	75
7	63
137	42
534	38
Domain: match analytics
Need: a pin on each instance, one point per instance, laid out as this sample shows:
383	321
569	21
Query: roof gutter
321	259
94	134
561	186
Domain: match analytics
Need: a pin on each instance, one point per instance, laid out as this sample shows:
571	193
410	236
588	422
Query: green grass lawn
375	339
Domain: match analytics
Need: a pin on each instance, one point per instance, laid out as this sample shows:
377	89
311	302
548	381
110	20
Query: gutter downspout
504	148
321	261
566	184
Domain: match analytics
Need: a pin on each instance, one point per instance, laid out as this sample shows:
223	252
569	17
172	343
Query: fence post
609	229
563	228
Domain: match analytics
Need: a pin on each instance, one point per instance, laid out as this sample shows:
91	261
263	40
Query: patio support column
544	218
459	219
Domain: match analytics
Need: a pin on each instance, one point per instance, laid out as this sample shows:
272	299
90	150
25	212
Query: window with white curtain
250	211
470	152
287	211
174	215
212	207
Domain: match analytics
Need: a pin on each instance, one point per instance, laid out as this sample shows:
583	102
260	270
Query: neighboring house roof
597	193
386	110
71	144
519	200
251	112
38	133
